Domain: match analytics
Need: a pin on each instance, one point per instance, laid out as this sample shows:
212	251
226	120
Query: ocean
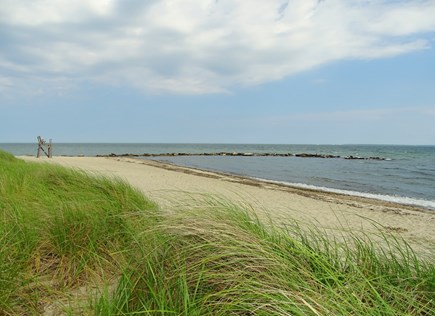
406	174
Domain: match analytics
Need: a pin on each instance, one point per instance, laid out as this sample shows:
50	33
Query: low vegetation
72	243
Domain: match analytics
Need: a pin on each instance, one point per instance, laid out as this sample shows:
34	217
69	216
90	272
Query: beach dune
175	187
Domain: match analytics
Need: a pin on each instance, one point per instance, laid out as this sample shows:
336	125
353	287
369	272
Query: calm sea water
408	176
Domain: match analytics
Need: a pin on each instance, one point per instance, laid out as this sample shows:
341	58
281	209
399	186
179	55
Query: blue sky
218	71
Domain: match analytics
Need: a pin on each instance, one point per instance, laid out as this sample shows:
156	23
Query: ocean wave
428	204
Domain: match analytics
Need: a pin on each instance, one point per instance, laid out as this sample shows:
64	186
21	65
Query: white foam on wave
388	198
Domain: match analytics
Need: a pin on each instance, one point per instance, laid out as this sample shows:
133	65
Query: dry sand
174	187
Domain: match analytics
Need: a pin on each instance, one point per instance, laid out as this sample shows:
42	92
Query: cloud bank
196	46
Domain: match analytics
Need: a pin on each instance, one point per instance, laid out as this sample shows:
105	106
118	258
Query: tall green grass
222	260
62	229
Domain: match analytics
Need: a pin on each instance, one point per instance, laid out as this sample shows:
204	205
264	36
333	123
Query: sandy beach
174	187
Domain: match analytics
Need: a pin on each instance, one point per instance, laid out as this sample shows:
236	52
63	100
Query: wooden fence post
50	149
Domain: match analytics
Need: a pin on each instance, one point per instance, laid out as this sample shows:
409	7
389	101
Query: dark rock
303	155
354	158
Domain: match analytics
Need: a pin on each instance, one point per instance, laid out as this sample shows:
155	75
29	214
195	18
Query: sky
218	71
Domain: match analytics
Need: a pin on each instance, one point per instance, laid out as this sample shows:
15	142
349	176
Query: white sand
173	186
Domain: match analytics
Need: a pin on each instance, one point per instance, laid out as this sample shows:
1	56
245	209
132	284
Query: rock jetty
240	154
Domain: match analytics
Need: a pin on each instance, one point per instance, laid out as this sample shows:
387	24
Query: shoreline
175	187
298	188
414	203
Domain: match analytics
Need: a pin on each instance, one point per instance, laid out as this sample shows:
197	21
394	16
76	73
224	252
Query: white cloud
42	12
201	46
405	19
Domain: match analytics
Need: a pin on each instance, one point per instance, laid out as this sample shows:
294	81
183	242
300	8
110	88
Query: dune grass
60	228
64	232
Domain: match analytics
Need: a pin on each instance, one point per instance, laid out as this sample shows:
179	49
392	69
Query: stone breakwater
240	154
